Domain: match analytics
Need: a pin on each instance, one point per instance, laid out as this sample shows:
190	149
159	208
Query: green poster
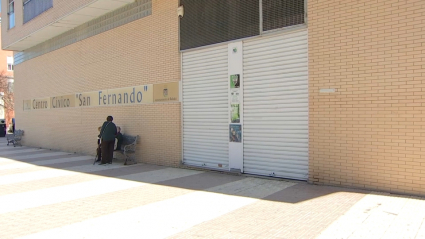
235	116
234	81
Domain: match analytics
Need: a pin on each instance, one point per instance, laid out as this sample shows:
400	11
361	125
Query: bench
15	138
128	148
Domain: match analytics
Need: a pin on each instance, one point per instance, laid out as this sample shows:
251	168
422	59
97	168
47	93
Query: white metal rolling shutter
276	106
205	108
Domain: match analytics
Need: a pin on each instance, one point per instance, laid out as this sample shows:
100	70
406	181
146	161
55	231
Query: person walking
107	136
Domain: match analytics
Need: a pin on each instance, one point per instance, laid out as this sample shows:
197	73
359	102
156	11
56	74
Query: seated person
119	138
99	149
10	130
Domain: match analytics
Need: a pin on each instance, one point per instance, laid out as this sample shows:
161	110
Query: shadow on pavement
295	192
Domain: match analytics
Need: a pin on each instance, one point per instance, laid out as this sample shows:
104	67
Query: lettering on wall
64	101
86	99
143	94
41	104
128	95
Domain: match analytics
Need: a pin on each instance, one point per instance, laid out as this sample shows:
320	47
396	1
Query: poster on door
235	81
235	133
235	114
235	99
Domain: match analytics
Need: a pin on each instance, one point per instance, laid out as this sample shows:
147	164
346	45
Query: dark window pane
33	8
282	13
207	22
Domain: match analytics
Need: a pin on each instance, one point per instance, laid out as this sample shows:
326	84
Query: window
11	13
282	13
207	22
33	8
9	63
10	85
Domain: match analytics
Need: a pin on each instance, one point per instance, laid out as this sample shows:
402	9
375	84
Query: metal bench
15	138
128	148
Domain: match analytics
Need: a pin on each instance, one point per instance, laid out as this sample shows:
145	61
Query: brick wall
371	132
142	52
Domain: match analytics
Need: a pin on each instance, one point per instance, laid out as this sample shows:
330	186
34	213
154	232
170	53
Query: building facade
328	92
124	44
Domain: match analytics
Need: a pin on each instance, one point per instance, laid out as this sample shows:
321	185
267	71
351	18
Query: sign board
167	92
144	94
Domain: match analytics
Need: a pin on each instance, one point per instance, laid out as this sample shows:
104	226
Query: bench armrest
130	148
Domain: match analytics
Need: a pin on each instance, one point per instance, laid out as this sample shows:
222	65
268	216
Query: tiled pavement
47	194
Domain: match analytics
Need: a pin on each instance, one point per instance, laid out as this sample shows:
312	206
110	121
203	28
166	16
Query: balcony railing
33	8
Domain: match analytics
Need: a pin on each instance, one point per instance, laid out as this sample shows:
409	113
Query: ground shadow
297	193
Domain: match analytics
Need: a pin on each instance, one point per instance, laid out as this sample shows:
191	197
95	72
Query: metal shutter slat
205	108
276	106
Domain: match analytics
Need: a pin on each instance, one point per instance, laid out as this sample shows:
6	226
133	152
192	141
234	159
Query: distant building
6	70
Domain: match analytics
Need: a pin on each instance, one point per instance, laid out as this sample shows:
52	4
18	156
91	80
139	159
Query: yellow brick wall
142	52
371	132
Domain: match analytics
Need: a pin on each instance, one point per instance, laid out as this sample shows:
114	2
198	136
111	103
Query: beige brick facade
144	51
370	133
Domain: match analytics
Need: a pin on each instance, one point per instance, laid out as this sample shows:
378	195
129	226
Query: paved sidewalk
47	194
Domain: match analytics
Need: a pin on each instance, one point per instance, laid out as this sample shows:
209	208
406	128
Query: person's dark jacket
108	131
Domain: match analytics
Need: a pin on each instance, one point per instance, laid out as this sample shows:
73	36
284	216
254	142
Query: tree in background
6	96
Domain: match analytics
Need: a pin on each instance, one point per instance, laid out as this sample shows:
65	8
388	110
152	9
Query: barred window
207	22
282	13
